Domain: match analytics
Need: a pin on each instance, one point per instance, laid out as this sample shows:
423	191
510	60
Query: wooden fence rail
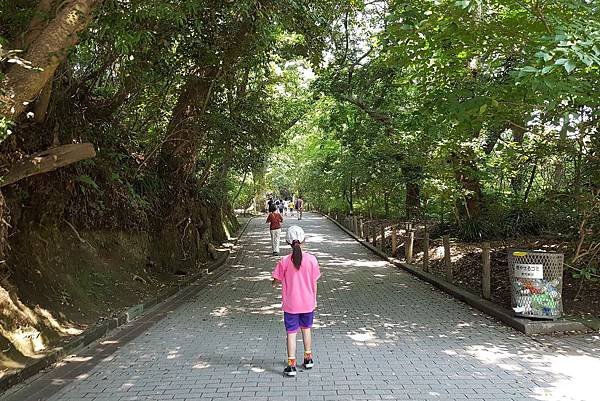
375	233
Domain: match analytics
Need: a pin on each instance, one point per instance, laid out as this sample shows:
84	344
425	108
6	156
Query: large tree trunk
179	152
178	155
413	200
46	51
465	173
413	175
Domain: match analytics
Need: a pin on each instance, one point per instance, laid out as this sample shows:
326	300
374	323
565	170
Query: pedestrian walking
274	219
286	206
299	207
298	274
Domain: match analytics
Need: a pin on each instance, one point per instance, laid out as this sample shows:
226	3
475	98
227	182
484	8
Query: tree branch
46	52
48	160
374	114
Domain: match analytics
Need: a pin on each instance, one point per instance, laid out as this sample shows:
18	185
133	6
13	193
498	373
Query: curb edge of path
523	325
105	328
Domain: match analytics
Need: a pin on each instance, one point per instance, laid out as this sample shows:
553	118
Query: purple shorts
294	321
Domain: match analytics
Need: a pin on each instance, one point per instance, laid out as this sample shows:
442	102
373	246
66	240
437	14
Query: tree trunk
516	182
412	181
465	173
179	152
413	200
45	53
178	155
473	196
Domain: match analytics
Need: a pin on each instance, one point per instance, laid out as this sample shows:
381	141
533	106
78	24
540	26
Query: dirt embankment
58	280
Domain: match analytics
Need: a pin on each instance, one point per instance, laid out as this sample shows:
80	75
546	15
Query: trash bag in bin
536	283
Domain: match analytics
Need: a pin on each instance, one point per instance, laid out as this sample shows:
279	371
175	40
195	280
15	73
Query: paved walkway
380	334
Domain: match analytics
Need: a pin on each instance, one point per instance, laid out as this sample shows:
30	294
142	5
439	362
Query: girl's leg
290	369
291	345
308	362
307	340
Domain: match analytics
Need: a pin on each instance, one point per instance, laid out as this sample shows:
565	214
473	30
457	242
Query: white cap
295	233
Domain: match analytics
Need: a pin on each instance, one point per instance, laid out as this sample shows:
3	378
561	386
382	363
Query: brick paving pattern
380	334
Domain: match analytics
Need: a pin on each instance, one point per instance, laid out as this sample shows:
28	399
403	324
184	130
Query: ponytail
296	254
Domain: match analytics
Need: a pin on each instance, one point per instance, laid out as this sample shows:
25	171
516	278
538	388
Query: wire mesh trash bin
536	282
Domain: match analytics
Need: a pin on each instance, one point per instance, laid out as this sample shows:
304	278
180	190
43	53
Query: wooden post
394	241
426	251
382	242
486	271
361	227
410	240
446	239
355	224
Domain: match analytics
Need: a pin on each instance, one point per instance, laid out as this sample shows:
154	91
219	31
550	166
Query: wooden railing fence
387	237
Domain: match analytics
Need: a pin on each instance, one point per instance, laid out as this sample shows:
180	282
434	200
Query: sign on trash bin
523	270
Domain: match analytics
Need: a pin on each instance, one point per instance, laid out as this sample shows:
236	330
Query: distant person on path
274	219
299	207
286	206
280	206
298	274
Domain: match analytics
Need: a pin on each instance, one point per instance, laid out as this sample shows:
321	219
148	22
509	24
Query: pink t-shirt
299	286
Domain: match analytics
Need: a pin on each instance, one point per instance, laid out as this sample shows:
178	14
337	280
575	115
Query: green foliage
86	179
484	112
481	114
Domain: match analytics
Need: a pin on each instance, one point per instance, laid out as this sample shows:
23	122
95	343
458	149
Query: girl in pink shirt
298	274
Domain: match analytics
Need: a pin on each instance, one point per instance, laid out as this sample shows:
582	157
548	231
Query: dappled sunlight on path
379	334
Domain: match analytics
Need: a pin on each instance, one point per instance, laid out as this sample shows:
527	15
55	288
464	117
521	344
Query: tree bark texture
465	172
413	176
179	153
45	52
